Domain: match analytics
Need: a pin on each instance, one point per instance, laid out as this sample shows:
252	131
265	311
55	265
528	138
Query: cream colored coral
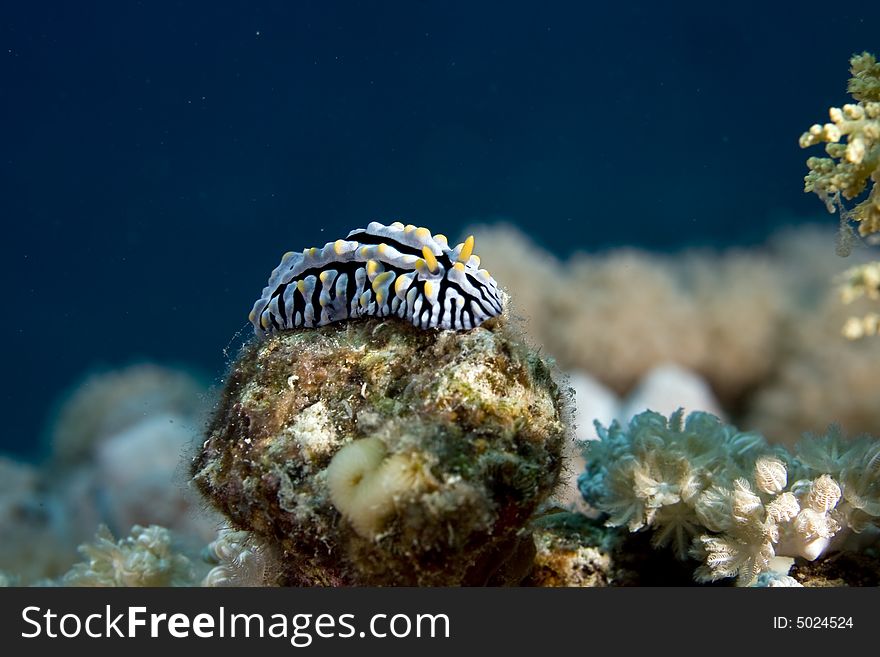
851	167
770	475
241	560
107	403
719	315
145	558
862	281
761	530
365	482
823	379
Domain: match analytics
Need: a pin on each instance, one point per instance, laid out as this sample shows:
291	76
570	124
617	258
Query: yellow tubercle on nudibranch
374	267
435	286
430	260
466	249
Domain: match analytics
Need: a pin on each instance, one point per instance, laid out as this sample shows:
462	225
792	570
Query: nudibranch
383	271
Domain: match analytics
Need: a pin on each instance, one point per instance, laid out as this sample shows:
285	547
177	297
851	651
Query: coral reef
839	569
156	556
663	389
718	315
597	333
770	579
372	452
821	379
578	551
117	448
743	303
761	327
723	496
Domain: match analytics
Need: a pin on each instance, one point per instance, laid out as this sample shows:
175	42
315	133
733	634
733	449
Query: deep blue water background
157	158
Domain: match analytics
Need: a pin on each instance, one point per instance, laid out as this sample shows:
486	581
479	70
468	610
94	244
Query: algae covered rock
373	452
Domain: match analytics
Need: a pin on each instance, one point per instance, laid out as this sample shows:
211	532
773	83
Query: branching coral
723	496
849	167
848	171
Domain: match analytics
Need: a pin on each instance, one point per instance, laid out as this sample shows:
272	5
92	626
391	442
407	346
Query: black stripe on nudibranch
380	270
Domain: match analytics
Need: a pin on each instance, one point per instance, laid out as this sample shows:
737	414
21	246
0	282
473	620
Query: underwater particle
381	271
442	446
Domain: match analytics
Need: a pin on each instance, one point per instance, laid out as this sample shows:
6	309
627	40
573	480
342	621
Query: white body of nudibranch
383	271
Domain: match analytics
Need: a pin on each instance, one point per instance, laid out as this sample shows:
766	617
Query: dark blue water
157	158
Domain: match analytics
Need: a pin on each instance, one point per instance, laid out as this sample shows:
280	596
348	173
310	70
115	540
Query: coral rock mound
372	452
